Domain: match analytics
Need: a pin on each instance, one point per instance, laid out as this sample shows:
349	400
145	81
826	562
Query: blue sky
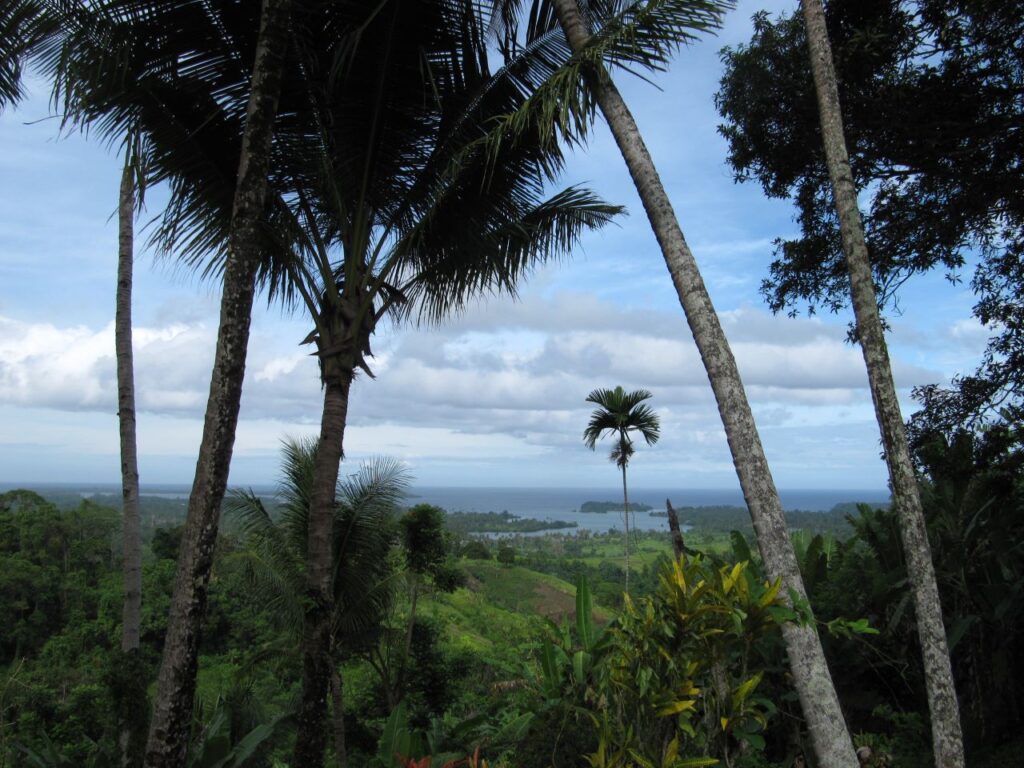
493	397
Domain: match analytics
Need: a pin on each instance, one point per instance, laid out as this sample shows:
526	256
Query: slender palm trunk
831	739
947	738
407	646
169	729
625	514
132	526
317	666
338	716
126	418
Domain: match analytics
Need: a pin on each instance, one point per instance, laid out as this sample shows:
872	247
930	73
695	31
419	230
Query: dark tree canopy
933	104
423	540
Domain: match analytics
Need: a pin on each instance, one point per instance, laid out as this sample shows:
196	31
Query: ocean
564	503
557	503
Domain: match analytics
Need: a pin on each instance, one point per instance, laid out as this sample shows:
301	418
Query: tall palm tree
363	530
405	240
169	728
393	216
131	622
564	64
947	735
25	26
618	414
165	69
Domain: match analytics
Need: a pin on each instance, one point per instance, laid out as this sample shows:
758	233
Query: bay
557	503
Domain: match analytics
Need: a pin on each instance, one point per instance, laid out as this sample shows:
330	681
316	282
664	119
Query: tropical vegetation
370	161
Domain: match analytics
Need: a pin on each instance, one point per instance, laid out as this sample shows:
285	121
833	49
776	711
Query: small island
612	506
500	522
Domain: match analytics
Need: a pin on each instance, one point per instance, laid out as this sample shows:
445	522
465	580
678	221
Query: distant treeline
729	517
158	511
499	522
612	506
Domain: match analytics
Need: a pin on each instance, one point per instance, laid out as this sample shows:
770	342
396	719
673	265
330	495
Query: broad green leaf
584	613
741	693
695	762
671	752
676	707
770	594
580	666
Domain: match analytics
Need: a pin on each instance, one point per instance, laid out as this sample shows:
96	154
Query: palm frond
23	27
363	535
558	106
620	413
455	263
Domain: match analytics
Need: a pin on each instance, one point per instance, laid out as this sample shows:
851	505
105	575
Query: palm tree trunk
317	665
169	729
397	695
338	715
132	527
947	737
832	744
625	511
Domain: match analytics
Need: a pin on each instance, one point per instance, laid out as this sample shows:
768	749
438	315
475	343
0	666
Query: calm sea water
564	503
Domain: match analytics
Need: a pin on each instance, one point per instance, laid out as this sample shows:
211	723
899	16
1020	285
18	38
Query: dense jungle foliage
522	650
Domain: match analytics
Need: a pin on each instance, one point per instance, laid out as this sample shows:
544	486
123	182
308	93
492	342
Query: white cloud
482	372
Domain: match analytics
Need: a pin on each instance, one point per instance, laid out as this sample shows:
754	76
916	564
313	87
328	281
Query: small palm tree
619	413
363	530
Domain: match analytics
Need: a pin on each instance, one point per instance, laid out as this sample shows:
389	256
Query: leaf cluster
941	184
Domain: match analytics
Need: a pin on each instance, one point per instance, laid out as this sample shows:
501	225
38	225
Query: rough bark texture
131	618
126	417
167	745
829	735
317	666
678	546
625	515
338	716
947	738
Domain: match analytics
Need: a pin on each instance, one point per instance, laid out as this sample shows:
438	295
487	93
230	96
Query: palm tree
131	622
418	235
169	728
119	64
571	88
395	217
947	735
25	26
618	414
188	116
363	530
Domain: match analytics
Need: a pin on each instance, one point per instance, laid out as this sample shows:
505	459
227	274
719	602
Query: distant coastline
530	511
521	501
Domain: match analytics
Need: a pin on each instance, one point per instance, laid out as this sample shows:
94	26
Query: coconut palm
163	68
394	217
618	414
363	530
131	621
24	26
563	60
947	735
376	208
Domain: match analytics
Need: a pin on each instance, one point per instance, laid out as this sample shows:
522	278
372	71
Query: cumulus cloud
503	367
505	382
